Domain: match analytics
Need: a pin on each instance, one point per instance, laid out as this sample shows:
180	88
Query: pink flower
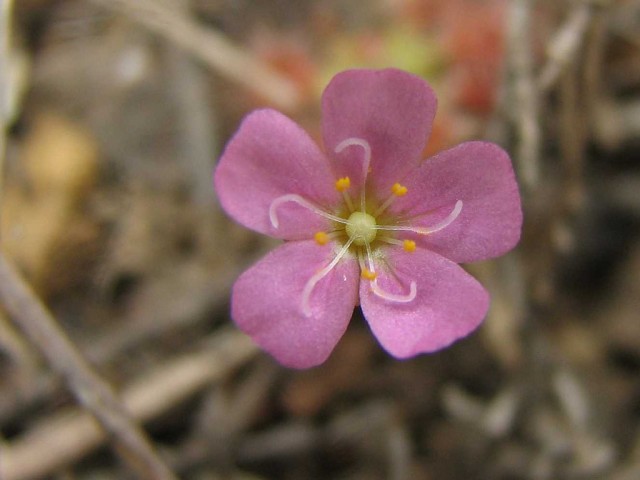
366	222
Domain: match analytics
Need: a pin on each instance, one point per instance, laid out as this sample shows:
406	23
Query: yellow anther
409	246
321	238
343	184
368	274
398	190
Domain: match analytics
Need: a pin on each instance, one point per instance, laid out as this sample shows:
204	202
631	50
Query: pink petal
271	156
478	173
391	109
449	303
266	303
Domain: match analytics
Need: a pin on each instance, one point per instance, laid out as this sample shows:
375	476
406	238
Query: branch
526	108
209	46
86	385
564	45
69	435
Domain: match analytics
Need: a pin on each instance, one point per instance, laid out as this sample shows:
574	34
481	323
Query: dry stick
16	348
526	93
89	389
210	288
196	135
210	47
6	8
11	85
564	45
573	139
67	436
594	53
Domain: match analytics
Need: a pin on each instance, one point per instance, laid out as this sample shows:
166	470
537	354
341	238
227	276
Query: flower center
362	228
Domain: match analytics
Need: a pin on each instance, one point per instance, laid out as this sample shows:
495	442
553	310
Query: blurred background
113	115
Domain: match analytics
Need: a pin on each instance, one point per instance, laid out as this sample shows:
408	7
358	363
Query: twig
147	320
564	45
15	346
196	133
86	385
594	56
69	435
5	22
211	47
12	73
399	450
573	138
525	92
13	78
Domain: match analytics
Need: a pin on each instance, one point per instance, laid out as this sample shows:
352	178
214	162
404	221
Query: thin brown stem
91	391
564	45
211	47
525	92
68	435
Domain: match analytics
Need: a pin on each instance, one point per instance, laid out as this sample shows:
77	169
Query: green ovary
361	228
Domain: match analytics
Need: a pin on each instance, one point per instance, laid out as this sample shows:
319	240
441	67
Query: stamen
343	184
363	267
386	295
368	274
379	291
347	200
409	246
372	267
428	230
384	205
313	281
392	241
292	197
399	190
365	164
321	238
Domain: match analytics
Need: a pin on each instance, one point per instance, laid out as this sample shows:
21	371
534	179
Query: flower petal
271	156
266	303
449	303
392	110
478	173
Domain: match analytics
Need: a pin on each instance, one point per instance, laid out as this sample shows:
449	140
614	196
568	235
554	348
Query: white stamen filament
365	164
347	200
385	205
292	197
334	234
313	281
372	267
392	241
426	230
363	266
